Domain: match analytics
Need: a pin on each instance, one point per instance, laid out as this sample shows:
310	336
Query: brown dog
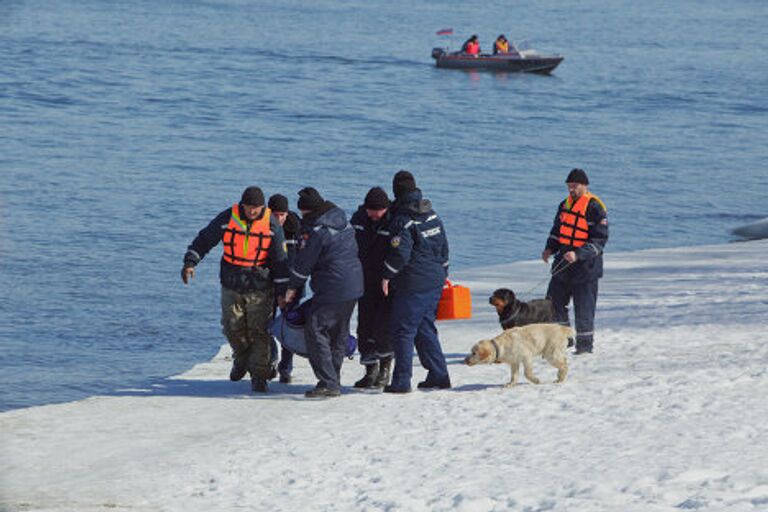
522	345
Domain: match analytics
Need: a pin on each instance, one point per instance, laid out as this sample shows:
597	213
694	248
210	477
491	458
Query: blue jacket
237	278
372	243
417	256
327	252
589	264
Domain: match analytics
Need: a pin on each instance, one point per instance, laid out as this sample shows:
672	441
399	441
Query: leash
556	270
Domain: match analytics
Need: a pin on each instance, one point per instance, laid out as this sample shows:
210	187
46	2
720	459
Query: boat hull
535	64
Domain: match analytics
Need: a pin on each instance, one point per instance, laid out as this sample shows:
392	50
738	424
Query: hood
413	202
329	215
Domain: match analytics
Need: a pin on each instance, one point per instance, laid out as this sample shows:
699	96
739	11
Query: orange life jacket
473	48
502	46
574	230
244	247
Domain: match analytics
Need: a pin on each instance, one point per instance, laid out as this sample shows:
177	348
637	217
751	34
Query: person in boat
471	46
501	45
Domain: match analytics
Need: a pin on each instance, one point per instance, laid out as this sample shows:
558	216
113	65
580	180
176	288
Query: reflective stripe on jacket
247	246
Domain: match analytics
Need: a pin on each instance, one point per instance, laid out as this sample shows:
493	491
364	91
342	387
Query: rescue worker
501	45
253	264
577	239
415	270
471	46
370	223
291	224
328	253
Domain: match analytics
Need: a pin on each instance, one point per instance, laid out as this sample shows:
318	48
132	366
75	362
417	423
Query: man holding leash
578	236
253	264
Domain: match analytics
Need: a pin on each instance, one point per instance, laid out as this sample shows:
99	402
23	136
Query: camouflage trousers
245	320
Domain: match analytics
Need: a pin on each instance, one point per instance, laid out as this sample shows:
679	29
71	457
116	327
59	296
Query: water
126	126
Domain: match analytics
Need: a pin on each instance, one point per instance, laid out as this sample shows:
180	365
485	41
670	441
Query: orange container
455	303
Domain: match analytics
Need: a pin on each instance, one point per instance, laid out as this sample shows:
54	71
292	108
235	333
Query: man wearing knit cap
415	269
327	253
291	223
577	238
253	267
370	223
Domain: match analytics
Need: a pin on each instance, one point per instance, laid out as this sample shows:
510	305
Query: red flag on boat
445	32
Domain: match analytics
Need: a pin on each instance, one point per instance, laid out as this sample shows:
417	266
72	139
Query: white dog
521	345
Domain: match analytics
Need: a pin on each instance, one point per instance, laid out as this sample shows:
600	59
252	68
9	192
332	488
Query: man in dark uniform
328	253
370	223
415	269
577	239
254	263
291	224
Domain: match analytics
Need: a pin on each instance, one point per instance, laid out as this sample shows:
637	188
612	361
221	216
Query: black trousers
584	294
373	339
327	333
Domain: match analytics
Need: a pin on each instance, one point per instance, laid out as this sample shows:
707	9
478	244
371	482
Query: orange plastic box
455	303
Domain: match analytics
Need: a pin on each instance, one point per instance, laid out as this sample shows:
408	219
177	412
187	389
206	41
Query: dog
516	313
521	345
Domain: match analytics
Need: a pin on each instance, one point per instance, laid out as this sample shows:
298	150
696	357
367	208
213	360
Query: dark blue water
126	126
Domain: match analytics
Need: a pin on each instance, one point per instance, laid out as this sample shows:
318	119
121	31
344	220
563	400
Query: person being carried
471	46
253	267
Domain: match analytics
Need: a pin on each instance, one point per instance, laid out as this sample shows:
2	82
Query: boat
753	231
522	61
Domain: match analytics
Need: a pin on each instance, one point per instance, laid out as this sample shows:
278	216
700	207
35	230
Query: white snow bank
669	413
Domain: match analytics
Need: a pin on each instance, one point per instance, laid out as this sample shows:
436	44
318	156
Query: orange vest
574	230
244	247
502	47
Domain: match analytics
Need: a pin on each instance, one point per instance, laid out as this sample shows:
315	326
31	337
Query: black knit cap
376	199
278	203
402	183
253	196
310	199
577	176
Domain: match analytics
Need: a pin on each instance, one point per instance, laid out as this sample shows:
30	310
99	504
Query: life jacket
472	48
574	230
502	47
247	247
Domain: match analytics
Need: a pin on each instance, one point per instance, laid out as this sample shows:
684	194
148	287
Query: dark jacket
372	243
417	256
519	313
292	230
328	253
589	265
237	278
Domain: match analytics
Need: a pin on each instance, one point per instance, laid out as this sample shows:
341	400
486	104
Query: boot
239	369
322	392
382	379
371	371
259	384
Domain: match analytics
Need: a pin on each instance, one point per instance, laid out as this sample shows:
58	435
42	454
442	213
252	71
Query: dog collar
513	314
496	348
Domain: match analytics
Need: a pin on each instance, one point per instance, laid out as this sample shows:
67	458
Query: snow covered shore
669	413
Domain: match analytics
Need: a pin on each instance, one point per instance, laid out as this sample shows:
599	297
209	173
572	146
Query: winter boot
369	379
259	384
239	369
382	379
322	392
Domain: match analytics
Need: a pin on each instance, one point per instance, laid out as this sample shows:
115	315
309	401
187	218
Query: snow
669	413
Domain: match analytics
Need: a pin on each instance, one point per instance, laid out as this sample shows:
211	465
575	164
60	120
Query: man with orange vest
577	239
254	268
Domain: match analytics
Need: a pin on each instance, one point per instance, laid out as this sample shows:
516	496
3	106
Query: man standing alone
253	264
577	239
415	268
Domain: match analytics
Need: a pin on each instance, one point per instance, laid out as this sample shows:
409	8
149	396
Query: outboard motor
437	53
